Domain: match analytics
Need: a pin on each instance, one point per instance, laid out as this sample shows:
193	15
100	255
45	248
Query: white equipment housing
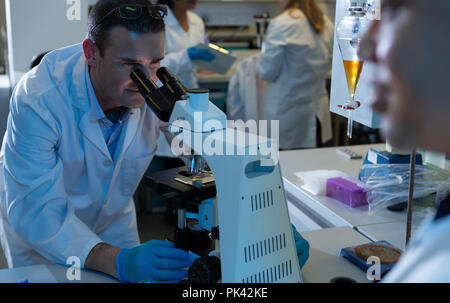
256	239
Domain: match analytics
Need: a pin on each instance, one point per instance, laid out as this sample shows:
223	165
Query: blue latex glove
153	261
200	54
302	247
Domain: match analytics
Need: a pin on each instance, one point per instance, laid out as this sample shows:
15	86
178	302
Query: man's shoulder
53	76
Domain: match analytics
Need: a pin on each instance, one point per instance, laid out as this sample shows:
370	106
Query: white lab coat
427	257
61	192
177	41
246	90
296	61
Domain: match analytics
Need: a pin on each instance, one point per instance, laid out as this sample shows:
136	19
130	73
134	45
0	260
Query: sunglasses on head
133	12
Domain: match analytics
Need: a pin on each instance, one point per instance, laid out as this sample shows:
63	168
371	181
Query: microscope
230	187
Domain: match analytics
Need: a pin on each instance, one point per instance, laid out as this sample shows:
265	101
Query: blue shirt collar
96	112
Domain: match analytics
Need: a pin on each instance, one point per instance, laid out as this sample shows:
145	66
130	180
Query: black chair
37	59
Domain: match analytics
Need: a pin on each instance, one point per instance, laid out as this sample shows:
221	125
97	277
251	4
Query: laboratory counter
323	264
327	224
310	212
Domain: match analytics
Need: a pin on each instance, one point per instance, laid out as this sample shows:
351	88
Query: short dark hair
100	34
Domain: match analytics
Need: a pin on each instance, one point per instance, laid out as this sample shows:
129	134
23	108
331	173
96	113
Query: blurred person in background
296	59
412	92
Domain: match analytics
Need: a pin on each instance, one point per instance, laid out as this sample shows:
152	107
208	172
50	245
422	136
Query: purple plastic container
347	190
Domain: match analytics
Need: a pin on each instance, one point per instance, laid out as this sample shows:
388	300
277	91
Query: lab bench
323	264
310	212
51	273
327	224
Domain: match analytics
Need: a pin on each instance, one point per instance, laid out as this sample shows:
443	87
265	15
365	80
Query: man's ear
90	52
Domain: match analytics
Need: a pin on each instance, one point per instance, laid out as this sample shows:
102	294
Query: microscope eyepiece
144	85
171	82
165	75
160	99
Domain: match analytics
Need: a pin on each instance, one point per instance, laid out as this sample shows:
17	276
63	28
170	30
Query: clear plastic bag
388	184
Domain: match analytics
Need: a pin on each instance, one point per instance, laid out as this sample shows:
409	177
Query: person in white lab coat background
296	58
184	31
412	92
79	139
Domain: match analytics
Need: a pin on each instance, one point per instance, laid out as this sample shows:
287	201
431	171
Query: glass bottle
349	33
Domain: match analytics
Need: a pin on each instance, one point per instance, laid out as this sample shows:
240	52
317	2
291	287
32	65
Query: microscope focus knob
205	269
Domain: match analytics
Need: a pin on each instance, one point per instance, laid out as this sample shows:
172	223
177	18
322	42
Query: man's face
410	48
125	51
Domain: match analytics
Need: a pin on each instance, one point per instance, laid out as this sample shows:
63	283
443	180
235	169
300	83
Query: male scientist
78	141
412	92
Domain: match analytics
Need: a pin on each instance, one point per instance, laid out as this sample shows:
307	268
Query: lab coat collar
96	112
78	87
90	129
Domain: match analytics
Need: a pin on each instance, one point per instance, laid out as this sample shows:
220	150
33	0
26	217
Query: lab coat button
107	163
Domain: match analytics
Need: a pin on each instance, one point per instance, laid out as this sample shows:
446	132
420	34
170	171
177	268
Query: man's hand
302	247
153	261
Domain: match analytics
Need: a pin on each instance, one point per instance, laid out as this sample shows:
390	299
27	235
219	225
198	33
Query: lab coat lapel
131	127
90	129
114	197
